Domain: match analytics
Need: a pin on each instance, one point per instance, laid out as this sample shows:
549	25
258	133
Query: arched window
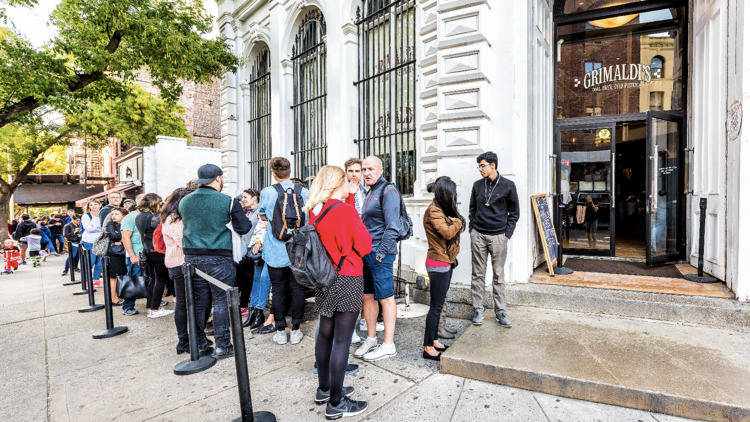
260	120
657	67
386	84
577	6
310	90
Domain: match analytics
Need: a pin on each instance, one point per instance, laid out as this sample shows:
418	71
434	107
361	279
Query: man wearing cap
207	243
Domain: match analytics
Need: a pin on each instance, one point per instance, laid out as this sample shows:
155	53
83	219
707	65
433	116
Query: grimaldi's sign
617	76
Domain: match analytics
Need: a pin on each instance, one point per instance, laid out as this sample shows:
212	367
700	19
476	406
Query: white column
228	99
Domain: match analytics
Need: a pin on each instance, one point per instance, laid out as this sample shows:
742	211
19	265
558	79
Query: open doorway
630	190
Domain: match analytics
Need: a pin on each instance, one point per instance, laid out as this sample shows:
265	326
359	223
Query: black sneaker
347	407
322	397
64	273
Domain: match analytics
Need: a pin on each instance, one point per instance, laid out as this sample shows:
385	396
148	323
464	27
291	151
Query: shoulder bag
131	287
101	244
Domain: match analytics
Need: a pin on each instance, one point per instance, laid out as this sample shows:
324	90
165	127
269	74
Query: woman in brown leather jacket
443	226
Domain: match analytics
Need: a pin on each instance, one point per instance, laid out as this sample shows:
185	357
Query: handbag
454	264
239	242
101	244
131	287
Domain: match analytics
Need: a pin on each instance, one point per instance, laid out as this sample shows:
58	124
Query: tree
101	47
54	161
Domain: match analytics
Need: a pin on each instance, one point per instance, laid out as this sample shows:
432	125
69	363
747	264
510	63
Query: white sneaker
379	327
280	337
160	313
368	345
384	351
363	325
296	336
356	338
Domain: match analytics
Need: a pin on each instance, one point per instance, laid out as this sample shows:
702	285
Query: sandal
118	303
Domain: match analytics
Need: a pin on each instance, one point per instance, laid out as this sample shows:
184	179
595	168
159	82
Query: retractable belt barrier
85	283
194	365
90	283
72	270
111	330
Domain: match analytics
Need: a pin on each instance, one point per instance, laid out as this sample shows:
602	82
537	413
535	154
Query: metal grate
260	121
387	88
310	91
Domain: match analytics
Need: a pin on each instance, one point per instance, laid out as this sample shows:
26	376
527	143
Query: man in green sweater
207	243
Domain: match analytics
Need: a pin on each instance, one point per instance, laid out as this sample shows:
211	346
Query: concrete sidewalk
55	371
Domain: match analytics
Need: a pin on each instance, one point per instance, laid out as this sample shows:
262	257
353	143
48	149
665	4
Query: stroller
12	257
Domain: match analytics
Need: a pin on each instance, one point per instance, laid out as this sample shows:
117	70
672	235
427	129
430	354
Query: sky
33	23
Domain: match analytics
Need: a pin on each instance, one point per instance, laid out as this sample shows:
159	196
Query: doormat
623	267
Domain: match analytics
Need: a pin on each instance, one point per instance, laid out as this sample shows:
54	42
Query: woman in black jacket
116	251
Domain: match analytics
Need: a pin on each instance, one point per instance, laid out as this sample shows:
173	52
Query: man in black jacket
72	233
493	214
23	230
115	200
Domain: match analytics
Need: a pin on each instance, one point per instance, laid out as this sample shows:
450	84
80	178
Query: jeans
284	285
72	255
245	274
439	283
96	261
180	309
58	241
222	269
134	271
51	245
261	287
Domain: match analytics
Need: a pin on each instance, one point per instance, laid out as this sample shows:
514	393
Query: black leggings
332	351
180	309
245	275
158	278
439	283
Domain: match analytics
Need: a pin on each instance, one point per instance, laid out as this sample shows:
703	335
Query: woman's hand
257	247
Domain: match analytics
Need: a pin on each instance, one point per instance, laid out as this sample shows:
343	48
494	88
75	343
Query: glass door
663	187
585	159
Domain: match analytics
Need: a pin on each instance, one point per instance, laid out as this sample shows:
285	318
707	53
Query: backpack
405	225
288	216
159	245
311	264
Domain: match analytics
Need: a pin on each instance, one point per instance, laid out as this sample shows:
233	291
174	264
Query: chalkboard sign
546	230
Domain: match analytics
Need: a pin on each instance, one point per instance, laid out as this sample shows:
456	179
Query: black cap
208	173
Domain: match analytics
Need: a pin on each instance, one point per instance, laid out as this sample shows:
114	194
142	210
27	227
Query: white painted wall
171	163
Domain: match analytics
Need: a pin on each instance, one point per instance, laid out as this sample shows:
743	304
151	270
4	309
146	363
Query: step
681	309
692	372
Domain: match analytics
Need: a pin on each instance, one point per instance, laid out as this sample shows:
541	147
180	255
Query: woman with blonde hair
92	229
346	240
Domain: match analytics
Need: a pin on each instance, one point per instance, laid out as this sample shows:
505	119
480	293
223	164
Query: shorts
23	245
379	276
33	253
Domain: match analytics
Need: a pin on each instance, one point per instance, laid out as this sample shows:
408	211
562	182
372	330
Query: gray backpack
311	265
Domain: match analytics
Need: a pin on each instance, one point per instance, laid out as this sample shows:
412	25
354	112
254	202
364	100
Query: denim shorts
379	276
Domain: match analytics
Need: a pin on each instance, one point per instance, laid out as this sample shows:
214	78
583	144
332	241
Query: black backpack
287	213
405	229
311	264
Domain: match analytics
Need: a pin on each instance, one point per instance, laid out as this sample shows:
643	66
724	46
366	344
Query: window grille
260	121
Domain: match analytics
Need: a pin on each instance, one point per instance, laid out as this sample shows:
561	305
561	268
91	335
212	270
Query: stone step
681	309
694	372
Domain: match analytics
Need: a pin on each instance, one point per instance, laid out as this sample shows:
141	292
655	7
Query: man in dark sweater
207	243
493	214
24	229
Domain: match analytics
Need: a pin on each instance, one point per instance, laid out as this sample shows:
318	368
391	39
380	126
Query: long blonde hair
328	180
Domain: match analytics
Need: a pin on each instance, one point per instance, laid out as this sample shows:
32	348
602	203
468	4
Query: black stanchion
85	282
700	277
240	362
196	363
560	269
111	330
92	302
72	270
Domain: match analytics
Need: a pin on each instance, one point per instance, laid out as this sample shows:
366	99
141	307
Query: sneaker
160	313
356	338
98	283
366	347
23	262
44	257
322	397
296	336
164	303
379	327
129	312
245	311
280	337
478	318
362	325
64	273
503	320
384	351
347	407
8	272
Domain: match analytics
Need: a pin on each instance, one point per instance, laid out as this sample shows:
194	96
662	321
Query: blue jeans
378	276
134	271
72	255
222	269
96	261
58	241
261	287
51	245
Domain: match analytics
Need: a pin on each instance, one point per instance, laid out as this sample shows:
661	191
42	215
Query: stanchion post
240	362
92	301
111	330
72	270
84	280
196	363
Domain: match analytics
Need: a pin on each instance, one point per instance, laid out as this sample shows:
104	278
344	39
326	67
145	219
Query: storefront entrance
620	129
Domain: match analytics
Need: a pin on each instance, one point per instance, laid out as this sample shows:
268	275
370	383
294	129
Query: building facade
569	94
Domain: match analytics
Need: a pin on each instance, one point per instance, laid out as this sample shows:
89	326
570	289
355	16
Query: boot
260	318
251	317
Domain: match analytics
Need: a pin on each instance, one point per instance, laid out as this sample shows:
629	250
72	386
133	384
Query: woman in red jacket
346	240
